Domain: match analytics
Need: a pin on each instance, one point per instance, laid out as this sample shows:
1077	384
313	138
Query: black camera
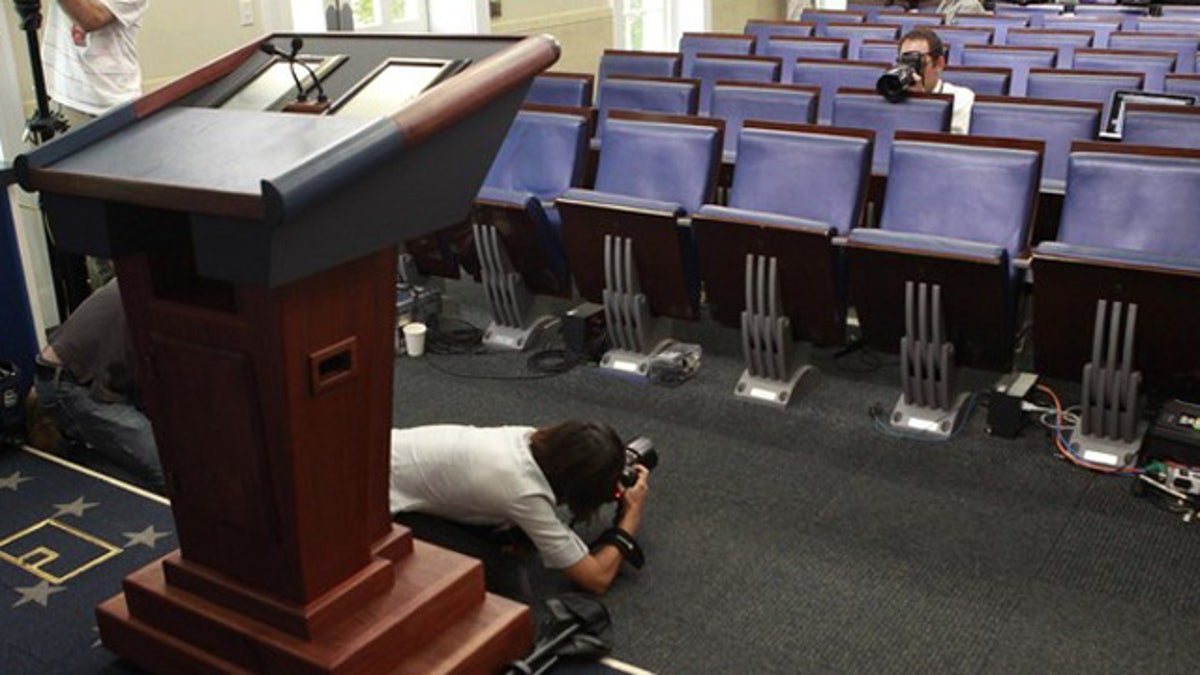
638	451
893	85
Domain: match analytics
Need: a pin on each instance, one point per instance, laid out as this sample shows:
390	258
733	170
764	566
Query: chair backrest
1183	84
736	102
691	44
790	49
1128	16
964	188
1100	28
660	157
880	51
764	31
1154	65
1081	85
564	89
1183	44
543	154
1056	123
908	21
957	37
984	81
865	109
1132	197
821	17
1191	12
1167	25
997	22
1063	40
639	64
709	68
1019	59
810	172
1037	13
669	96
855	33
1166	125
830	75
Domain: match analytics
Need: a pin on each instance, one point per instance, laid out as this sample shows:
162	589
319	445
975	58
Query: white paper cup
414	338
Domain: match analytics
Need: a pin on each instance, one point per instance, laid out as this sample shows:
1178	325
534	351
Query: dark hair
583	462
936	48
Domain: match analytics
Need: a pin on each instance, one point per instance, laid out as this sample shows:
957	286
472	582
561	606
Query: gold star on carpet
39	594
147	537
13	481
75	508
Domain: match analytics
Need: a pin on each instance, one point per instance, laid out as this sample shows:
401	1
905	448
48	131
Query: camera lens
893	85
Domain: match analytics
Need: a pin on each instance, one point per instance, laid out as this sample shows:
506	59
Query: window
655	25
391	15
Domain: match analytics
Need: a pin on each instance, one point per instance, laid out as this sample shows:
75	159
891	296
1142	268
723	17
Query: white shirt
960	113
480	476
101	70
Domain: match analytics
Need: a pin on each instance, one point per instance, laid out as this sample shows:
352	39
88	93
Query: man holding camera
924	50
462	487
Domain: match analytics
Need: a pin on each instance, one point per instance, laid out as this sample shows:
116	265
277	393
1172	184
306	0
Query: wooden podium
256	252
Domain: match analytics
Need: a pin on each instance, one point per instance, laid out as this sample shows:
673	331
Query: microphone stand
68	269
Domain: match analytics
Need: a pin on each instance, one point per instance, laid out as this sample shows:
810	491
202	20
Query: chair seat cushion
764	218
928	243
611	200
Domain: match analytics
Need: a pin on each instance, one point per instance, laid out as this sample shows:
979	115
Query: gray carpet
805	541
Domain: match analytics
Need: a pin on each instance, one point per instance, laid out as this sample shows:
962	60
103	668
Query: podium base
435	618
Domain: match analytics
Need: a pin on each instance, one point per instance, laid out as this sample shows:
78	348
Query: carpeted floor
803	540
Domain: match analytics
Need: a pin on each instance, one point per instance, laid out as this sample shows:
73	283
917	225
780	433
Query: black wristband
625	543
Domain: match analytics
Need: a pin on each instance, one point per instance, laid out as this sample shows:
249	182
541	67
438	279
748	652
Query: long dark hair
582	461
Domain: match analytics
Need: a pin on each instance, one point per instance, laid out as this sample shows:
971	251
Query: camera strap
625	543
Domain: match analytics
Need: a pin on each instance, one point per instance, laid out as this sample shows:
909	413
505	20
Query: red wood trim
1156	34
859	91
585	113
561	75
1029	144
1058	103
333	365
855	64
1085	73
812	40
991	17
1013	48
966	29
655	78
174	198
1044	31
854	244
831	12
865	134
892	26
1122	265
1123	149
739	37
634	52
777	60
1126	52
982	70
206	75
449	102
770	86
666	119
1183	77
770	22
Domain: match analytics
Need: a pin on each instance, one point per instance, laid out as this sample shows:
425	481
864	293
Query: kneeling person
493	477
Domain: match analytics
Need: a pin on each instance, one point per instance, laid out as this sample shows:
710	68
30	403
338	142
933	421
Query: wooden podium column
272	408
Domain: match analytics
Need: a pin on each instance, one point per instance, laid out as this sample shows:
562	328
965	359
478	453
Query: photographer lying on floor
461	487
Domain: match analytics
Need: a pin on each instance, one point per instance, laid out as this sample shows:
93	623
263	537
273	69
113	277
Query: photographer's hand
595	573
633	499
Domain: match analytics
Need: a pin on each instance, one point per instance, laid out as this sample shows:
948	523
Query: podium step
436	618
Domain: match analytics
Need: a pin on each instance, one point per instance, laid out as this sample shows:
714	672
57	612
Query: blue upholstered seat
957	37
1167	25
1128	15
1081	85
1057	124
907	21
1183	44
735	103
982	195
766	31
856	33
563	89
982	81
791	49
867	110
639	64
1140	203
1169	126
1154	65
1101	28
880	51
1019	59
1037	14
830	75
672	97
1182	84
691	44
543	156
821	17
711	68
807	175
1064	41
999	23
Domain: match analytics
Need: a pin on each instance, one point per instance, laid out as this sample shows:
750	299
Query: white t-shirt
101	70
960	112
480	476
